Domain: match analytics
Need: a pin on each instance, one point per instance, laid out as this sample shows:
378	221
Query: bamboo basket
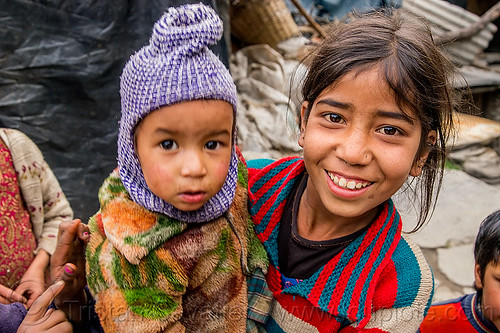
262	22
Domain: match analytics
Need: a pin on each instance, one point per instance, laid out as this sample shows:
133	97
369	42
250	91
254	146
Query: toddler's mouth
193	196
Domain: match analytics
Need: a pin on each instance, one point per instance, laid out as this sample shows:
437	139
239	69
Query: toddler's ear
303	110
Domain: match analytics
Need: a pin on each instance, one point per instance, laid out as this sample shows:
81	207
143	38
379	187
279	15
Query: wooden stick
309	19
491	14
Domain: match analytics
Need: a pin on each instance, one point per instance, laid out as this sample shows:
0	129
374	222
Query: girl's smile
359	149
346	187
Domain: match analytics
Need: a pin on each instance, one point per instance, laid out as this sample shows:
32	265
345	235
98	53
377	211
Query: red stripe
316	291
366	270
343	279
275	217
270	182
390	251
273	221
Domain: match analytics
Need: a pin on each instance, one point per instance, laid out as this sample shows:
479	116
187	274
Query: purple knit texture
176	66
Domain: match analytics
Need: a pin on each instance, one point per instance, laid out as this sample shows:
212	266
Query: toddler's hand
31	287
39	319
8	296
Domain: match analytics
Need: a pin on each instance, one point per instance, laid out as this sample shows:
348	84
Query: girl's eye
333	117
389	130
168	144
212	145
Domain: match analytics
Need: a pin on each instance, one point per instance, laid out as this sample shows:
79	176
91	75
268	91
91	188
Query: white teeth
351	184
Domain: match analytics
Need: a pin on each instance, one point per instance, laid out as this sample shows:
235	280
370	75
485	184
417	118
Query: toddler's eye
168	144
389	130
211	145
333	117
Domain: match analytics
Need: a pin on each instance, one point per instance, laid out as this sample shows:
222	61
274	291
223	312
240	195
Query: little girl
168	248
377	112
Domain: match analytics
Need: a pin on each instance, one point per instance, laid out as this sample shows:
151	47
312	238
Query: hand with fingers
42	319
68	262
8	296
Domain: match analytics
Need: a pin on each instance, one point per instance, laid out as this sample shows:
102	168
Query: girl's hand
39	319
8	296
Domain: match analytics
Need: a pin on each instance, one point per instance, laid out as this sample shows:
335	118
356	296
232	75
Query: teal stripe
304	288
259	163
345	302
348	253
387	244
268	176
408	271
271	244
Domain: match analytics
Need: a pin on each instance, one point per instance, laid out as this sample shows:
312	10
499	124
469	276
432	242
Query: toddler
168	247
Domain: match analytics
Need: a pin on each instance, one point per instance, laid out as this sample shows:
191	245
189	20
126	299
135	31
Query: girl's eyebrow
381	113
396	115
334	103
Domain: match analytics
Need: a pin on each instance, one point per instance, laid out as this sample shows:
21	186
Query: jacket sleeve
45	201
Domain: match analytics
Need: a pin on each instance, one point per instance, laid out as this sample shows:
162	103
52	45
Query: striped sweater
379	283
150	273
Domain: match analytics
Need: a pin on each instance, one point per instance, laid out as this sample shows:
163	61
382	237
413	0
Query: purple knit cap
176	66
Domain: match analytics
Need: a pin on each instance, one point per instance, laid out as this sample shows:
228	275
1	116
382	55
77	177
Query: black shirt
299	258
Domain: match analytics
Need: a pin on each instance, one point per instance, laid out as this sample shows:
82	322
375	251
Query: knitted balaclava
176	66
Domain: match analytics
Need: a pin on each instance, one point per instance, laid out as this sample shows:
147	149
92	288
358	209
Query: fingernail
85	234
69	269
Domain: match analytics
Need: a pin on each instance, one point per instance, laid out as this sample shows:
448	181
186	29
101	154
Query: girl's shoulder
414	275
263	165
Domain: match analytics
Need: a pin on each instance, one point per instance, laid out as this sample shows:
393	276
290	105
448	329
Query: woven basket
262	21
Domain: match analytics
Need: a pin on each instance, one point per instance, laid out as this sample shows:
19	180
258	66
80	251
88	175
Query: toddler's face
185	151
490	284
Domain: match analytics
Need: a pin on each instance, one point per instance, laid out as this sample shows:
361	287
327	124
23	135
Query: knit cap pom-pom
186	29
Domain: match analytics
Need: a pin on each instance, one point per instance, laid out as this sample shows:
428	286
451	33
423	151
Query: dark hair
487	244
414	67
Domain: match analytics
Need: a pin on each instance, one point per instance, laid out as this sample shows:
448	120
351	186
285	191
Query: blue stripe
385	247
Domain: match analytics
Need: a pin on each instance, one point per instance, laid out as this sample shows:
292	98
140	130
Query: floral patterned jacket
46	203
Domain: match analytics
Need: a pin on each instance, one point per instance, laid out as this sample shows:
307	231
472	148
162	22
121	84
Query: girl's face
185	151
359	148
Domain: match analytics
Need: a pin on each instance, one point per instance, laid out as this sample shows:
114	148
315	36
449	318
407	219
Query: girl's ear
418	165
303	109
477	277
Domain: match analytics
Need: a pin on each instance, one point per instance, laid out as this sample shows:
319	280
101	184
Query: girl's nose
192	164
354	148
